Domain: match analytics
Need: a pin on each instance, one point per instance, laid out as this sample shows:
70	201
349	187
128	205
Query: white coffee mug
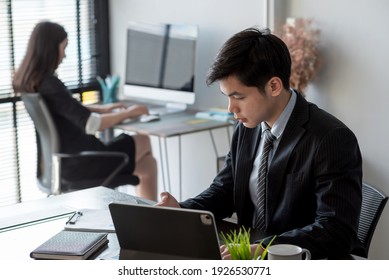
287	252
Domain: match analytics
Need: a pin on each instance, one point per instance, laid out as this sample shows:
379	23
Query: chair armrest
93	154
57	158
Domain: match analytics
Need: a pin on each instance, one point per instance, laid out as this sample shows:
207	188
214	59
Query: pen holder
109	88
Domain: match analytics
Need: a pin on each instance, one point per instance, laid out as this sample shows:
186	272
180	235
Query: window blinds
83	20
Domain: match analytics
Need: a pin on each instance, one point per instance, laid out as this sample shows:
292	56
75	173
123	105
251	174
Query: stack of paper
96	220
216	114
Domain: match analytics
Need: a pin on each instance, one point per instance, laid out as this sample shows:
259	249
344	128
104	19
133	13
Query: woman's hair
254	56
42	56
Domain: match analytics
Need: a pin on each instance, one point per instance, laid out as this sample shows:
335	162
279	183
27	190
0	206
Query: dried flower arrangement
303	43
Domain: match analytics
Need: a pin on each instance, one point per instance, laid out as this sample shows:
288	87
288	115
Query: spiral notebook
96	220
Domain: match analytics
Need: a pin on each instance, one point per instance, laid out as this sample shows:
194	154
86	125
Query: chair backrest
48	144
47	137
373	203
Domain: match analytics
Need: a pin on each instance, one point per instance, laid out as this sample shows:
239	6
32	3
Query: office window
86	22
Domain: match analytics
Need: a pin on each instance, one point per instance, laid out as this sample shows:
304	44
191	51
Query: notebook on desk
151	232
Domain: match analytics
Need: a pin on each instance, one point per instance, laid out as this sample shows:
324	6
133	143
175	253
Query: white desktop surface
174	124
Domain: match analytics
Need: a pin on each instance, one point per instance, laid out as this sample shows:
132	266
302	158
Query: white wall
353	85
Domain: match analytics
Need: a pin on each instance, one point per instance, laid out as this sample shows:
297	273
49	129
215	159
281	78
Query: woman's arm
110	119
105	108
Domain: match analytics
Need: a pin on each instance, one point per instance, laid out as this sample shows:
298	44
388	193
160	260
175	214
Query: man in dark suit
314	170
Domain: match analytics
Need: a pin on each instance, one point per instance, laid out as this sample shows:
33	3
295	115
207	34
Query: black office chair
49	176
373	203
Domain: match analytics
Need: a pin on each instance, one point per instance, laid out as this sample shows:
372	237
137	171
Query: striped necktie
259	222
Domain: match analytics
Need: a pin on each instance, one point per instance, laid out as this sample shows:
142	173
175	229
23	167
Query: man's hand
168	200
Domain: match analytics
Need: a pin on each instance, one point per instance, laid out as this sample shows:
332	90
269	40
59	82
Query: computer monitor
160	63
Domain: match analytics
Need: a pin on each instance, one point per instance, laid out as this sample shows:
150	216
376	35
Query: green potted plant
238	244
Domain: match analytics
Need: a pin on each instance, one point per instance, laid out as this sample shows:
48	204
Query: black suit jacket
314	183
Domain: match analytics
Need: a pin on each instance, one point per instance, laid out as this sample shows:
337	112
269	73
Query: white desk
176	125
24	226
39	220
43	218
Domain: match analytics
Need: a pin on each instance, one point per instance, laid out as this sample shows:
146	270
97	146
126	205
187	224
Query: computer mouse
148	118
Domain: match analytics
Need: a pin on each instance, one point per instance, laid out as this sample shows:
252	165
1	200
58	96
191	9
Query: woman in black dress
79	123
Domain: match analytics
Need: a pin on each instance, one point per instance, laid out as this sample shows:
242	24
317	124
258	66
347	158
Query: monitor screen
160	62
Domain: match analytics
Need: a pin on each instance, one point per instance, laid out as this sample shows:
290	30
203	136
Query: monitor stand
169	108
